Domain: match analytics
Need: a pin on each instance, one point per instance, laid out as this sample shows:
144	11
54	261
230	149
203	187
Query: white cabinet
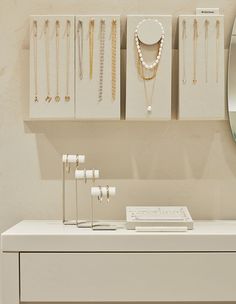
45	261
120	277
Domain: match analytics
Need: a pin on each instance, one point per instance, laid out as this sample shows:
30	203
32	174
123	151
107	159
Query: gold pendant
57	98
48	99
67	98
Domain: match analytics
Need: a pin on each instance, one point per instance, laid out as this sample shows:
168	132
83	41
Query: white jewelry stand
205	99
136	101
103	195
84	175
67	160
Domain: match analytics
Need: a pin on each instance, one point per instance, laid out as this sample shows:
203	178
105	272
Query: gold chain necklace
91	47
113	59
101	59
57	98
206	49
35	39
184	37
80	47
68	26
195	38
47	56
217	49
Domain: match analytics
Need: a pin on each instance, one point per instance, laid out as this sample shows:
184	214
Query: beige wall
189	163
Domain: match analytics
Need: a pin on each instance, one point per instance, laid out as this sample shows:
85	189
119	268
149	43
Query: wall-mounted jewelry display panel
201	67
97	71
51	67
149	55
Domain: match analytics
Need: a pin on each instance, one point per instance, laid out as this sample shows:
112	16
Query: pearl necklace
140	54
154	65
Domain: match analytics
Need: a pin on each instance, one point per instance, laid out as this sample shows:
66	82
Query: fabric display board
201	67
51	67
149	56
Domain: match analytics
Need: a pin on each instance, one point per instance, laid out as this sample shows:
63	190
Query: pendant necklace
91	47
143	67
184	36
217	48
113	59
47	56
68	26
80	47
57	97
35	39
206	49
101	59
195	38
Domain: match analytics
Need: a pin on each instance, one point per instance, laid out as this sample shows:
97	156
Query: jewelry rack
104	195
67	161
100	192
84	175
201	67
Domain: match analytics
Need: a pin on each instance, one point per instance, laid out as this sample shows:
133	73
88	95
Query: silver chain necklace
101	58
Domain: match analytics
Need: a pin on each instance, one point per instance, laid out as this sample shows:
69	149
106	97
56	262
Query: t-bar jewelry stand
103	195
67	160
84	175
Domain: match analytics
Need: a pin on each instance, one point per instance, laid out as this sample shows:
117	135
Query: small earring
94	176
108	194
77	161
100	194
67	164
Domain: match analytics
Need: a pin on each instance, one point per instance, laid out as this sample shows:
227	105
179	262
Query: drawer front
128	277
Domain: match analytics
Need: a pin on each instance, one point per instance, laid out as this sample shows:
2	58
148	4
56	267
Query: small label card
207	11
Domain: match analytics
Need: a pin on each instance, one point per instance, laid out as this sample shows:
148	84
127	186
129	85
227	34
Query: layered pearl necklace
140	54
144	65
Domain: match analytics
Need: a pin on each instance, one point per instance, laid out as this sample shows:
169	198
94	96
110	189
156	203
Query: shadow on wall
139	150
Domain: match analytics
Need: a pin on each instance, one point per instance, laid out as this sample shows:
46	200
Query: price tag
207	11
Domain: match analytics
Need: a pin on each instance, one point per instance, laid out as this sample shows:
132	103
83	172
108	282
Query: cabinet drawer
127	277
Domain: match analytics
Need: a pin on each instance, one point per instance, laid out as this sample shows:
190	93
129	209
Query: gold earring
108	194
85	176
100	194
94	176
77	161
67	164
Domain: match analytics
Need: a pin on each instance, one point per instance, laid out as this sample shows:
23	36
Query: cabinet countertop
53	236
